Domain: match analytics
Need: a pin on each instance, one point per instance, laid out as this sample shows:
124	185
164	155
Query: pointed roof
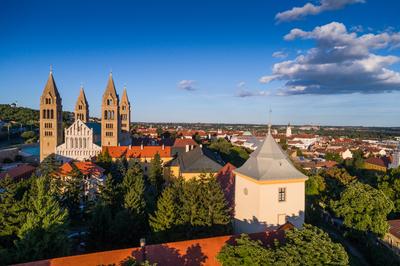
82	97
125	96
51	87
110	89
269	162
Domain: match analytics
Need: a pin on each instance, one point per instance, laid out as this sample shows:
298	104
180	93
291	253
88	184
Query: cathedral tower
125	112
110	119
51	131
82	107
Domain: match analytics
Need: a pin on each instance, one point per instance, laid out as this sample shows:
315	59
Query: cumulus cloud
247	93
187	85
340	62
280	54
243	92
297	13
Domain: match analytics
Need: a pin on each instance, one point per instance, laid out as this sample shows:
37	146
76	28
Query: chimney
187	148
163	146
141	146
130	146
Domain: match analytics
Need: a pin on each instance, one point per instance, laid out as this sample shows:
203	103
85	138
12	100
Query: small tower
51	131
110	122
125	112
288	131
269	190
82	107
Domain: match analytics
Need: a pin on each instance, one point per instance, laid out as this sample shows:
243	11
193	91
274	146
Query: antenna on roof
269	122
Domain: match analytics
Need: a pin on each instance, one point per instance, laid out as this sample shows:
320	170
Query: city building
269	190
79	143
395	158
51	130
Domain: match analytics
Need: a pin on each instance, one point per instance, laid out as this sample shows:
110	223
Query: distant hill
26	116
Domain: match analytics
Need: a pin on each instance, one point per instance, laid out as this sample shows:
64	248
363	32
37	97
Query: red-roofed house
226	179
376	163
93	176
392	238
19	172
143	154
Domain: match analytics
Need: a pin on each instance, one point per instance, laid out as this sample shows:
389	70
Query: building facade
110	118
79	143
51	131
269	190
125	112
82	107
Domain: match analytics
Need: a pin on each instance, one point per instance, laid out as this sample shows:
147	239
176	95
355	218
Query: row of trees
307	246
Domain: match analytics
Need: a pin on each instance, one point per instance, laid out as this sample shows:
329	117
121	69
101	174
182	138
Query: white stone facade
78	143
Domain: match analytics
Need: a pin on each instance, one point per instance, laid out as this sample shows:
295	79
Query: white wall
259	209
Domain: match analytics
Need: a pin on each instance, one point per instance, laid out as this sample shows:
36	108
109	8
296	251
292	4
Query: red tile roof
190	252
183	142
21	171
376	161
226	178
394	227
86	168
138	151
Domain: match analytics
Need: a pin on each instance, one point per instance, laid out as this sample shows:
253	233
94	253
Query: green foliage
29	135
99	227
229	153
165	216
73	193
389	184
18	114
49	166
110	193
192	208
315	185
246	252
307	246
104	159
156	177
310	246
363	208
43	234
340	175
330	156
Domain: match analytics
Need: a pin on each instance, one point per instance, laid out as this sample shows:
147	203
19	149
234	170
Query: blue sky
210	61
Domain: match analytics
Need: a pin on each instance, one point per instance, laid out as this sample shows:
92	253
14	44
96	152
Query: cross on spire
51	69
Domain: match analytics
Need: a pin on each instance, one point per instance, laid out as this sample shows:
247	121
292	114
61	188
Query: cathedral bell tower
110	118
51	131
82	107
125	112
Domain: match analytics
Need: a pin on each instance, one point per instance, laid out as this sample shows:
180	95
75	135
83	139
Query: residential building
269	190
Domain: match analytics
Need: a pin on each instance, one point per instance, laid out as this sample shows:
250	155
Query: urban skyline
219	69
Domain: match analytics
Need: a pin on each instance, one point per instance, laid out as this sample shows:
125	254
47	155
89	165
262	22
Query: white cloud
247	93
297	13
340	62
280	54
187	85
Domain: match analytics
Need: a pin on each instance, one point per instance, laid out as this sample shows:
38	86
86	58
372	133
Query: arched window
84	143
80	143
76	142
109	101
71	143
44	114
52	113
47	113
112	115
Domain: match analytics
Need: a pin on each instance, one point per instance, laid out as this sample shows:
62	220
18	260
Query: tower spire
269	121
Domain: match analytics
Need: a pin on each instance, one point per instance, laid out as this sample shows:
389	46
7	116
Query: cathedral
83	139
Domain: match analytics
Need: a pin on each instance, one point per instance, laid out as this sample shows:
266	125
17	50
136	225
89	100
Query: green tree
134	193
331	156
310	246
73	194
315	185
165	217
99	228
307	246
43	234
110	193
214	202
156	177
363	208
49	166
246	252
389	184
